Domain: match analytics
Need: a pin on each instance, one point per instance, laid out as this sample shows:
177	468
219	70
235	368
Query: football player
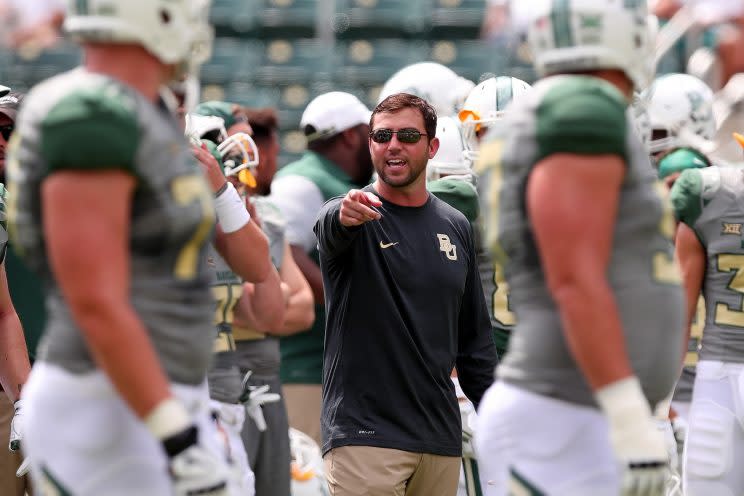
111	208
14	369
709	248
450	178
484	109
257	339
680	115
574	210
235	155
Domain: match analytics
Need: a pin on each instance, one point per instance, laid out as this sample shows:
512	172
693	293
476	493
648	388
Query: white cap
331	113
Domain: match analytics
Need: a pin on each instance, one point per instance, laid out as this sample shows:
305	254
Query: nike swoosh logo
386	245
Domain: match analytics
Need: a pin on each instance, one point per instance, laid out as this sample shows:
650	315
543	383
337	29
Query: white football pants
532	444
714	447
80	435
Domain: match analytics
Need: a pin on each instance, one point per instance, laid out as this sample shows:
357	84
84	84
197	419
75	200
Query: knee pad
709	448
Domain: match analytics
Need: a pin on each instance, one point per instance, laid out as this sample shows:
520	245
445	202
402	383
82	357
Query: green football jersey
709	202
79	121
584	116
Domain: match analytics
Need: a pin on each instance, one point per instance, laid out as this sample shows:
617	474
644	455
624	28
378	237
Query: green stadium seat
288	18
371	62
382	18
456	18
234	17
469	58
294	61
32	67
233	59
252	95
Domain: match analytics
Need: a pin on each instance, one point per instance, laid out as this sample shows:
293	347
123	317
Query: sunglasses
6	131
404	135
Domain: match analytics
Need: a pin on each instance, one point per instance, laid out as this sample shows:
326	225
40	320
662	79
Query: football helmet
205	126
680	110
239	156
435	83
450	158
306	466
585	35
485	106
175	31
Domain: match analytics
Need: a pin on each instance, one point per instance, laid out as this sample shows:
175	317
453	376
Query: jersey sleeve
582	116
686	197
93	130
458	194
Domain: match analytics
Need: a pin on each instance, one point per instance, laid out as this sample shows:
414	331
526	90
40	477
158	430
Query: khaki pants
303	408
370	471
10	485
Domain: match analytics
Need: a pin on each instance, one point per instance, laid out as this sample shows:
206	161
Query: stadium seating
29	66
456	18
382	18
233	59
294	61
285	18
371	61
471	59
235	17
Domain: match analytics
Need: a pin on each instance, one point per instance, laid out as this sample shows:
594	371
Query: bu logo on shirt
447	247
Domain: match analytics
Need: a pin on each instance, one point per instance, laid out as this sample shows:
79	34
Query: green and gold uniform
585	116
80	121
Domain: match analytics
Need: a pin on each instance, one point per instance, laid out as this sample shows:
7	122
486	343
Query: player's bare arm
231	241
692	259
310	270
14	363
90	260
262	305
574	246
300	311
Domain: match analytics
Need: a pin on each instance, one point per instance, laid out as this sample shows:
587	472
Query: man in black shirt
405	306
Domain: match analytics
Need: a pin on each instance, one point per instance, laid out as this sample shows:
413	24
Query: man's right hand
195	470
356	208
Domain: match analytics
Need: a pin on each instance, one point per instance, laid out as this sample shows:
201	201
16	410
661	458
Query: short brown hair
400	101
263	121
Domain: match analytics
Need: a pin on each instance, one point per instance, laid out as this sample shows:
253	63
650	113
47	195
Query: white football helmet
450	158
199	125
306	467
585	35
435	83
175	31
485	106
680	110
239	152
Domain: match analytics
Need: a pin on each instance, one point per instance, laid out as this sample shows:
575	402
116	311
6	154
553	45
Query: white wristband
168	418
623	402
231	211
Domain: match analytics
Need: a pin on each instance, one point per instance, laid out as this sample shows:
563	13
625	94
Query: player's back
84	121
570	114
710	202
